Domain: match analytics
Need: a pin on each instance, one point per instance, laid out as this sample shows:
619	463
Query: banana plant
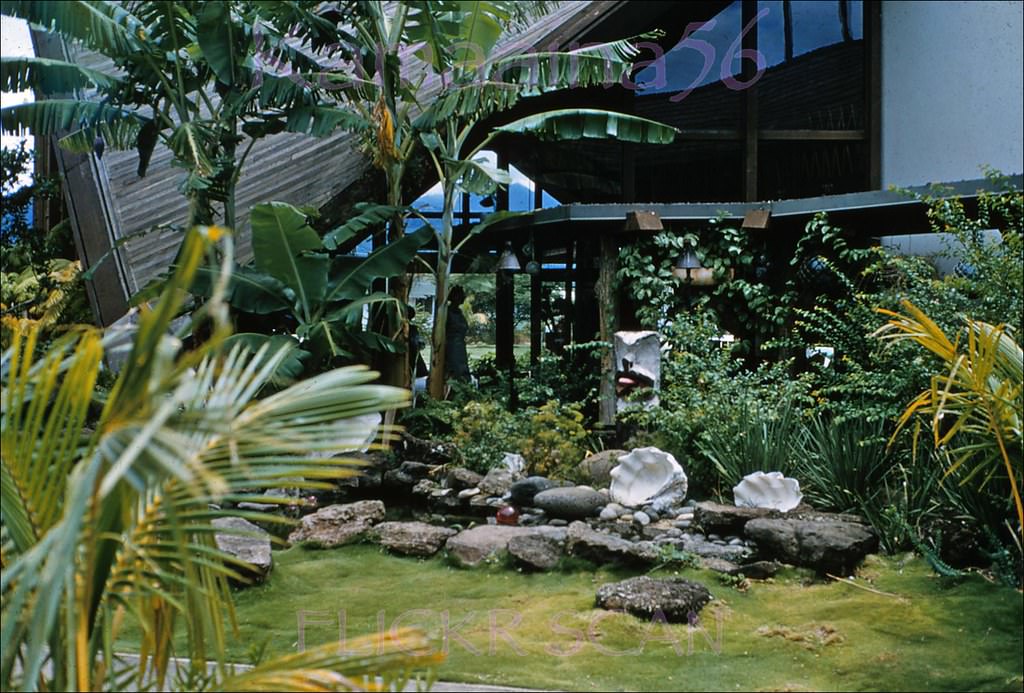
320	296
205	79
482	83
108	520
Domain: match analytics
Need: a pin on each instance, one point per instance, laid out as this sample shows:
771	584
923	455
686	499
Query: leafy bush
484	432
707	398
556	441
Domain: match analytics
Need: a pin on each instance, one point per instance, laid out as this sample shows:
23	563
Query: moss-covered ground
501	626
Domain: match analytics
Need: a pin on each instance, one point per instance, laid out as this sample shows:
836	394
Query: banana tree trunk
436	380
398	370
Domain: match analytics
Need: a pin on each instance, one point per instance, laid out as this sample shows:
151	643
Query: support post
535	322
608	311
504	299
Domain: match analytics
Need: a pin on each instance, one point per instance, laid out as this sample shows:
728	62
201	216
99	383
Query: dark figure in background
417	367
456	360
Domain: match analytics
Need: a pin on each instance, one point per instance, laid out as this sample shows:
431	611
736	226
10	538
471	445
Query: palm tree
976	405
114	524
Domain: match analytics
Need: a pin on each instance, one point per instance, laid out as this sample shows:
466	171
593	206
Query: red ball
508	516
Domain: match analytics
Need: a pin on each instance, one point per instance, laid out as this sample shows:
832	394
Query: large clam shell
771	490
646	474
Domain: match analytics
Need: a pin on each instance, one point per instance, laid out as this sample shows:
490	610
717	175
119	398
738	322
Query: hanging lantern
689	269
508	260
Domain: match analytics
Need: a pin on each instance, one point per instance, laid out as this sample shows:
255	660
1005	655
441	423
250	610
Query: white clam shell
644	474
771	490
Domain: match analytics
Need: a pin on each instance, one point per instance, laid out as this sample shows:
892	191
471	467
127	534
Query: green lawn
542	630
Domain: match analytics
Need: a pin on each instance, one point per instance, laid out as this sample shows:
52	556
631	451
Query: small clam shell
771	490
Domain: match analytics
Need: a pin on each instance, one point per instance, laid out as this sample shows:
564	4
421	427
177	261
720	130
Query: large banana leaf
215	35
320	121
480	178
480	30
369	216
283	244
351	277
250	290
49	76
579	123
101	26
54	115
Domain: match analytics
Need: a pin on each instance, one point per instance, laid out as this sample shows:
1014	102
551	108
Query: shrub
556	441
707	398
484	432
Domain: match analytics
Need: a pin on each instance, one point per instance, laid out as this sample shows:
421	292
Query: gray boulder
411	538
575	502
596	470
828	544
471	547
461	478
728	519
678	599
536	551
497	482
336	525
584	542
408	473
246	542
524	490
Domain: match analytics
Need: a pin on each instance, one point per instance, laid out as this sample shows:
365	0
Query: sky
14	41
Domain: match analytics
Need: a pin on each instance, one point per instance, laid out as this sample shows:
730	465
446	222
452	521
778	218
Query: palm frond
976	405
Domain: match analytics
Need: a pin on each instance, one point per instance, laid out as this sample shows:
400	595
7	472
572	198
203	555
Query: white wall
952	89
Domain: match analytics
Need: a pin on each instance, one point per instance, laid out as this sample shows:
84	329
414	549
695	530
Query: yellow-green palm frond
976	405
116	522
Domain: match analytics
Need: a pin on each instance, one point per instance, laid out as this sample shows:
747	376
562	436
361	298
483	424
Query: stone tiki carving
637	366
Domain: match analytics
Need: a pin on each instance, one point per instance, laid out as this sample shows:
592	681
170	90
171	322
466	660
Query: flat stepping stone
677	599
828	544
536	551
604	548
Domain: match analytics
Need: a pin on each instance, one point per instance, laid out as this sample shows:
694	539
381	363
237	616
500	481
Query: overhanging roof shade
876	212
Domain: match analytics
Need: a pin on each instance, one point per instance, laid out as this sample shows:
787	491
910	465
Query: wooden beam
812	135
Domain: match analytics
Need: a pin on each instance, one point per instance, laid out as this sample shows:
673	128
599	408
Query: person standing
456	359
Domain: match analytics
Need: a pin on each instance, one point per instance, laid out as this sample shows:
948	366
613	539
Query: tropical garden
466	535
